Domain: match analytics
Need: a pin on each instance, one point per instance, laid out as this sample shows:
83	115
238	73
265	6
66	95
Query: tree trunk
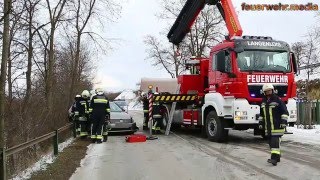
49	79
4	60
10	77
74	74
29	65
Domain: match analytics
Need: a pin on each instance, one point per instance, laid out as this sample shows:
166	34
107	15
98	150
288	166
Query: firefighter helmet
77	97
92	92
99	91
85	94
143	94
267	87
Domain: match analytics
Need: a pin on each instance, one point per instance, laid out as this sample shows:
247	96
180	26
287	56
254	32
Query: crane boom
190	12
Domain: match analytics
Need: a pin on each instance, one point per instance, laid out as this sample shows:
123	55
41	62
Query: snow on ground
42	163
306	136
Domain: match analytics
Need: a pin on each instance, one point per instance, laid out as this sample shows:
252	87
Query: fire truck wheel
215	128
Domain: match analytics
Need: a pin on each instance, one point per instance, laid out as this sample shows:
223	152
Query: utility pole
4	60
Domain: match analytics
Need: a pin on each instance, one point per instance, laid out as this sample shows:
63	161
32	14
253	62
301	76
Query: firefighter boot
278	159
158	130
275	158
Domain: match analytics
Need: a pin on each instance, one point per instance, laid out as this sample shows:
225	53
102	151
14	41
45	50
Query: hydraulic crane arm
190	12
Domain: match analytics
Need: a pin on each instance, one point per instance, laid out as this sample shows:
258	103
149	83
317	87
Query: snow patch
42	163
309	136
306	136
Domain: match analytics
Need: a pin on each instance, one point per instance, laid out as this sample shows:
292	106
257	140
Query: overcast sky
127	64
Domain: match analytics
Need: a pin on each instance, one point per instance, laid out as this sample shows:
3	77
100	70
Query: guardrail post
55	143
318	112
3	169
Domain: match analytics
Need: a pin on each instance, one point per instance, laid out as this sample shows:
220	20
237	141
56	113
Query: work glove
283	124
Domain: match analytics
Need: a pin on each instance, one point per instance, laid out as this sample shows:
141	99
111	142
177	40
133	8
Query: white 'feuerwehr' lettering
267	79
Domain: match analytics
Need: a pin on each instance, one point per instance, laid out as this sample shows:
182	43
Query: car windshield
264	61
114	107
121	103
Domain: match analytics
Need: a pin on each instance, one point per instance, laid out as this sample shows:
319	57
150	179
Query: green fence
308	112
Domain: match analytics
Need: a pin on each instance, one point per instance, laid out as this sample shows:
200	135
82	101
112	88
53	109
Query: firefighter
156	114
74	113
86	102
81	106
145	102
273	119
100	109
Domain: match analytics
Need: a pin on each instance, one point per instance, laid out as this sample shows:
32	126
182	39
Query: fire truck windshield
263	61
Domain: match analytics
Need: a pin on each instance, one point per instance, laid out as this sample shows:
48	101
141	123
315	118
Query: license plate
121	120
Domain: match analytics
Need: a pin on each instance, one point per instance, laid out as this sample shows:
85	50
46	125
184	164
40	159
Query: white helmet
92	92
85	94
156	93
99	91
143	94
267	87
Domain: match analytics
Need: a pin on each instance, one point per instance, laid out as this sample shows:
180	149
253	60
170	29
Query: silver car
121	121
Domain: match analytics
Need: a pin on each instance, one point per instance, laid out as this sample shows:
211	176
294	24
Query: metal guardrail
12	150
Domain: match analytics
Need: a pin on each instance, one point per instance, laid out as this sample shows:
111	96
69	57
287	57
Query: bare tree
165	57
206	32
82	17
55	17
4	60
308	53
31	7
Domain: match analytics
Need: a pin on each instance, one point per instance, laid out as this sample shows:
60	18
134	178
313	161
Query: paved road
185	155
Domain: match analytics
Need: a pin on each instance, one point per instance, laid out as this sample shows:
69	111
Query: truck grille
255	91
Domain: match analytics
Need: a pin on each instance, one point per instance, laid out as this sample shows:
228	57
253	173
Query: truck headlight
241	113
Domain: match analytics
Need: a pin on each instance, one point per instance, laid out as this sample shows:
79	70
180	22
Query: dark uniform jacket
80	107
273	112
145	104
100	105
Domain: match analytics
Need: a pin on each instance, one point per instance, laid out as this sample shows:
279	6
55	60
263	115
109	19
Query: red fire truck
224	91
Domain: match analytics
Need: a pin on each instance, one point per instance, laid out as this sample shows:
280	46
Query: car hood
119	115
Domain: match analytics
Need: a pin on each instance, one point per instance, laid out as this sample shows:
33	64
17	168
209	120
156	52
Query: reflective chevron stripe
174	98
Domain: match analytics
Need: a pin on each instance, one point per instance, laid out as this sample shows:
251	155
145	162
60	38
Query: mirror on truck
294	63
221	61
238	49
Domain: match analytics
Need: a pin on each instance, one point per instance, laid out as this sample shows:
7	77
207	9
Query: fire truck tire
215	128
